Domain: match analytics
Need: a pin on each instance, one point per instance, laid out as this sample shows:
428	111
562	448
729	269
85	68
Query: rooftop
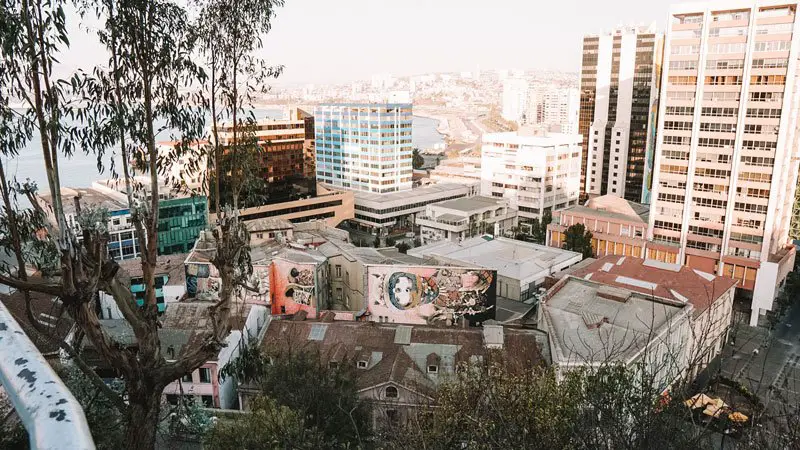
48	310
401	354
511	258
667	281
589	322
422	193
88	197
613	207
170	265
469	204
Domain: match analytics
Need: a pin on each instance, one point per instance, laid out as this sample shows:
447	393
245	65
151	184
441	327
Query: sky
325	41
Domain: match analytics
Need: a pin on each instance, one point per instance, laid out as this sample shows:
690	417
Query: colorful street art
292	288
258	281
202	279
430	294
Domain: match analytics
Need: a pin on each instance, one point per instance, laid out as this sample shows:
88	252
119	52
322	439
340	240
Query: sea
82	169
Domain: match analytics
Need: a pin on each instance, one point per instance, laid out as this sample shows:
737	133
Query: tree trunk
143	414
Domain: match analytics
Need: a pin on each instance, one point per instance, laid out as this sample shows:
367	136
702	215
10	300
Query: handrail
52	416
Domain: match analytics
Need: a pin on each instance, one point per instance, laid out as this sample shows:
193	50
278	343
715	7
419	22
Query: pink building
618	226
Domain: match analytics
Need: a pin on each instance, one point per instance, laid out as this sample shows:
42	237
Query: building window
187	378
208	401
172	399
205	375
362	364
333	364
338	271
392	418
433	369
390	392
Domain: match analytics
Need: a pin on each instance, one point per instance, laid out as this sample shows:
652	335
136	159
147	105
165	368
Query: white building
461	218
397	209
521	266
728	144
464	169
554	108
536	172
515	99
590	324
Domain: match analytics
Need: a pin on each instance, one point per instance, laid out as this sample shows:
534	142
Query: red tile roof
700	288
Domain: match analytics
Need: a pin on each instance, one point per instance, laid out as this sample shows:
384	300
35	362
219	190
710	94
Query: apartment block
535	171
364	147
727	151
619	99
515	99
284	146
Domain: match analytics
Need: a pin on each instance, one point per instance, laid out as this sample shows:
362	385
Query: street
773	372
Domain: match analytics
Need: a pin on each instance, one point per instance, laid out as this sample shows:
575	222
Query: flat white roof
523	261
418	194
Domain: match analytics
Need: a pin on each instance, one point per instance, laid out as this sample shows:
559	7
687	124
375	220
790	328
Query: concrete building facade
458	219
536	173
728	146
619	100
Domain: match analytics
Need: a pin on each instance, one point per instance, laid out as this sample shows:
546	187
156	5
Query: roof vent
593	320
612	293
402	335
493	336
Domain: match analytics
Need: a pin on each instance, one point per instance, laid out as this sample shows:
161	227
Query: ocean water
81	169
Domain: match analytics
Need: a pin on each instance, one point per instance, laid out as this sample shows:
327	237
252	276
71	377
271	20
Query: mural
202	279
292	287
430	294
259	282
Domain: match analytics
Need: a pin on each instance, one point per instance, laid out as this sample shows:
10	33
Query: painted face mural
292	288
429	294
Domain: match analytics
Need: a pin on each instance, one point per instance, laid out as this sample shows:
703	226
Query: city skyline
448	36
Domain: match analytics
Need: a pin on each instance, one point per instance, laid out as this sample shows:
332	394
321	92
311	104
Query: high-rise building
619	99
515	99
364	147
727	151
554	108
284	145
537	172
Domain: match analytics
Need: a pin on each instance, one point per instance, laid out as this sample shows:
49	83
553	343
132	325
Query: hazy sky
323	41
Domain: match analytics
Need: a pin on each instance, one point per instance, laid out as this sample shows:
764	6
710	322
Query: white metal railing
52	416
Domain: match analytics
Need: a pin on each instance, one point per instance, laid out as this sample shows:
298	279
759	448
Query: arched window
390	392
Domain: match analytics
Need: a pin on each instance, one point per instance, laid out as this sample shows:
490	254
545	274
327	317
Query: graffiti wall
430	294
202	280
292	287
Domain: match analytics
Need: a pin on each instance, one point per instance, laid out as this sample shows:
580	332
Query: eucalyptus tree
145	88
230	32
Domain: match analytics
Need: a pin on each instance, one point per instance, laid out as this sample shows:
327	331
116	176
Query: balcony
52	416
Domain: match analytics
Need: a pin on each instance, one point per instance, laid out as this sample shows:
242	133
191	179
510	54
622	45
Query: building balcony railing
47	409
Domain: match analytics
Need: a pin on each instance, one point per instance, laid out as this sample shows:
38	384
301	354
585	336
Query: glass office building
364	147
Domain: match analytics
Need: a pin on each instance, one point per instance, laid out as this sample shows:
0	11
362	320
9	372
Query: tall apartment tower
515	99
620	79
364	147
727	151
